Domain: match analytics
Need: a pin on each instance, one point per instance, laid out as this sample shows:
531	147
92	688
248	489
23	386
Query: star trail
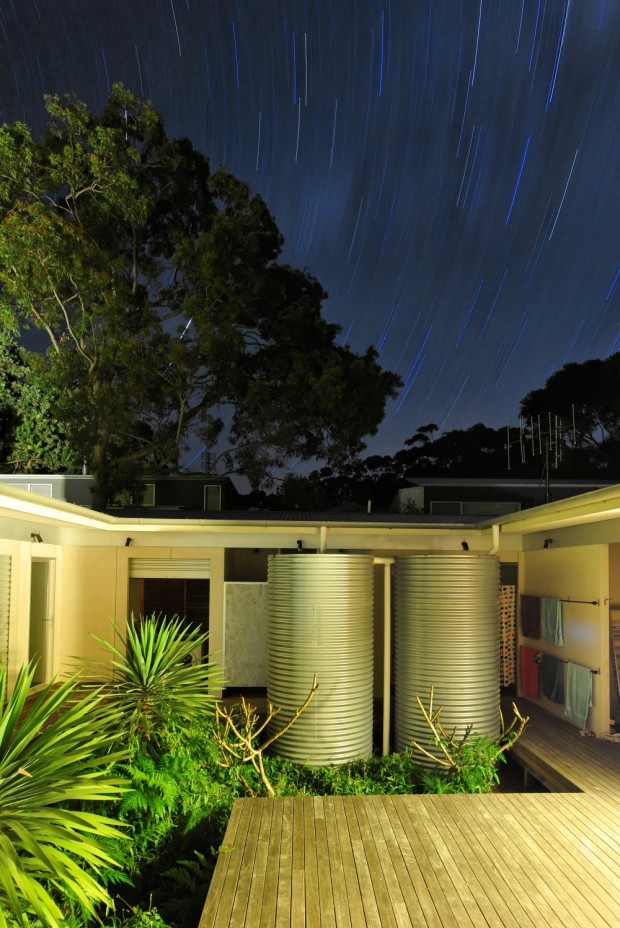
448	169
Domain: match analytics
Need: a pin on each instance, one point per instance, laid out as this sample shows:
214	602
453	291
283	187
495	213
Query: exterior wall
19	605
579	573
91	590
87	586
245	634
614	597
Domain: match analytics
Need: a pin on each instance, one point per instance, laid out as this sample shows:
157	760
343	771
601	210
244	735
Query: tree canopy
143	303
585	401
570	427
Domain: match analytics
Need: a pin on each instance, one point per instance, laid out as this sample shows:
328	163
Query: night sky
449	171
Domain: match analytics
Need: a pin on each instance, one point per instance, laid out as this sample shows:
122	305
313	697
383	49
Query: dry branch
451	747
237	729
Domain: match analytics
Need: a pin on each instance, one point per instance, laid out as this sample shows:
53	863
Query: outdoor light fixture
300	544
128	542
464	546
34	536
547	542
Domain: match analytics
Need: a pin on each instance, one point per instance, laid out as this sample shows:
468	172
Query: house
66	572
194	491
486	496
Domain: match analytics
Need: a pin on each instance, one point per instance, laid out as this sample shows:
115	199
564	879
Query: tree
477	451
165	310
585	400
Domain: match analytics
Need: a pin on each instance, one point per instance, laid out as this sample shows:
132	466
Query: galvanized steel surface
320	620
446	635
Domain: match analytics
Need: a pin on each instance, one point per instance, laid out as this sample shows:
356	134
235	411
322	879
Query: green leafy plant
467	762
157	689
138	918
54	755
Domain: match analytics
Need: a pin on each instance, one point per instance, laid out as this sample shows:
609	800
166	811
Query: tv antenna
542	435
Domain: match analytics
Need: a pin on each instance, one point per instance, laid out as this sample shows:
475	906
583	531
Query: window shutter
191	568
5	604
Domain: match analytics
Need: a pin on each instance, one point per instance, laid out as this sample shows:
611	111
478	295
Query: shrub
157	690
54	756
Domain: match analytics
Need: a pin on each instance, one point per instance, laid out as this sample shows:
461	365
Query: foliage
182	770
157	289
583	399
157	691
139	918
177	810
586	398
465	762
396	774
238	731
54	756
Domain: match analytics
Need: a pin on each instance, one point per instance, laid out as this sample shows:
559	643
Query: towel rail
568	599
563	660
587	668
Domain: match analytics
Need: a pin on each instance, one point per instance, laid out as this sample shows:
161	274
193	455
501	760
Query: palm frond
54	754
157	690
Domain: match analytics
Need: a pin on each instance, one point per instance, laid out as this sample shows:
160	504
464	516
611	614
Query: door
41	642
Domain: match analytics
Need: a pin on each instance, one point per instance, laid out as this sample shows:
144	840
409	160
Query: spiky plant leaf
54	754
157	688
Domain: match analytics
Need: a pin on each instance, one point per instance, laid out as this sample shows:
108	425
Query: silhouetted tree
165	311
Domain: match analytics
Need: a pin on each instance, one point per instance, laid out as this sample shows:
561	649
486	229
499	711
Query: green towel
551	620
578	693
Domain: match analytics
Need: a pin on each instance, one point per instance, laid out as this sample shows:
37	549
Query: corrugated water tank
446	634
320	620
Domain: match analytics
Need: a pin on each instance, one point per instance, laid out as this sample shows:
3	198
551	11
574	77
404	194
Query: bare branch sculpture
238	729
450	747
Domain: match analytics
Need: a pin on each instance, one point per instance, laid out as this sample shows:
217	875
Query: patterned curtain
507	663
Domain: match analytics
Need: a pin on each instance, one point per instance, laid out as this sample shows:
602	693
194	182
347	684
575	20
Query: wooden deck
511	860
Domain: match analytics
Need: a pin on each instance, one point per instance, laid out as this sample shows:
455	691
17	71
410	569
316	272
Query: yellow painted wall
580	573
87	606
614	597
91	590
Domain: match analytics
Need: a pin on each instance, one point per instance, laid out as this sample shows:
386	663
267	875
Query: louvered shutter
5	603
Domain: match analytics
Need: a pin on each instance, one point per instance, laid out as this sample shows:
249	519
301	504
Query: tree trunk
101	477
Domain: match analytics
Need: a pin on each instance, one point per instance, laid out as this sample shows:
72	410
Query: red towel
529	672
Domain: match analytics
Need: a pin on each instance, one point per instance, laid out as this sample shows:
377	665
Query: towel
552	677
529	672
578	693
551	620
530	616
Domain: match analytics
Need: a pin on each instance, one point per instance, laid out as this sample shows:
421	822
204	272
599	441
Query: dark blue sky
450	171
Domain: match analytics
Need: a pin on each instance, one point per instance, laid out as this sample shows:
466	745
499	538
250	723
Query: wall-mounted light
464	546
34	536
300	544
547	543
127	542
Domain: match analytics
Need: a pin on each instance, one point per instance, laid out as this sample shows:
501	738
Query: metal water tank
320	620
446	635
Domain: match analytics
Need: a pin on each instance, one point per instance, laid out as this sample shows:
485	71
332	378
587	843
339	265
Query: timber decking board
590	764
504	860
495	861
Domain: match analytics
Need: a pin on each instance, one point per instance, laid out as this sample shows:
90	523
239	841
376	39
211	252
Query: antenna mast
542	436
